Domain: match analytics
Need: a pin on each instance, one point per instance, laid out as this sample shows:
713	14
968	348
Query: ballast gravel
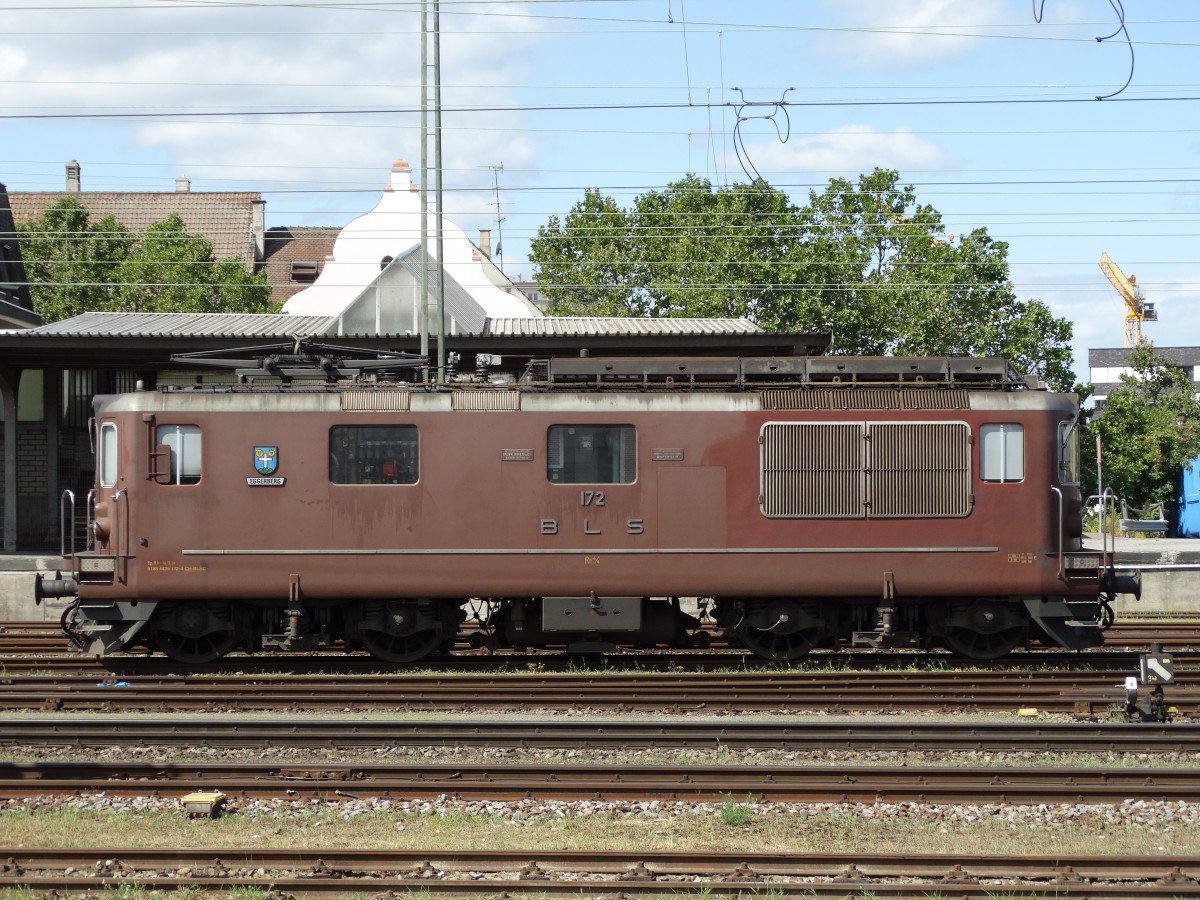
1143	814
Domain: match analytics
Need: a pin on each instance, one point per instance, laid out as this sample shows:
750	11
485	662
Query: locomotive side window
184	443
373	454
108	455
1002	452
591	454
1068	453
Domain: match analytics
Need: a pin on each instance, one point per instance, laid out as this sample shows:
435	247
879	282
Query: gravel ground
699	756
1139	813
1143	814
1150	817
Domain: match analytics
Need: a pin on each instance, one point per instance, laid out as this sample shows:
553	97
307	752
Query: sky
1066	128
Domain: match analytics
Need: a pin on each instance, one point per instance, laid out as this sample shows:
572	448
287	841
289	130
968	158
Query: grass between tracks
730	827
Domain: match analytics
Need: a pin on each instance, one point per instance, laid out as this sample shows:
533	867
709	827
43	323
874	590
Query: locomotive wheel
982	629
189	637
779	647
794	630
983	645
401	648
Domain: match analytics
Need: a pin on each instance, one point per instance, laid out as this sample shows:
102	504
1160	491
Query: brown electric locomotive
794	502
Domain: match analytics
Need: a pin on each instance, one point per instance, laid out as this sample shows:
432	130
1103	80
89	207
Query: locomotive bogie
377	517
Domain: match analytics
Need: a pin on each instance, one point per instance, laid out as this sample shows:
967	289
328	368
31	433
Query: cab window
1002	453
108	455
1068	453
183	442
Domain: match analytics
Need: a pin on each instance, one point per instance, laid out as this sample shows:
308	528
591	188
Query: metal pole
423	306
437	163
496	170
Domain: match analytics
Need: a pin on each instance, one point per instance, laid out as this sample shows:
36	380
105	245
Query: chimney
401	172
182	185
73	185
485	241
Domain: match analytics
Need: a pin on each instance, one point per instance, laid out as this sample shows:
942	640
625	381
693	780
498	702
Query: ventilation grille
866	470
793	399
920	470
481	400
865	398
813	470
937	399
376	399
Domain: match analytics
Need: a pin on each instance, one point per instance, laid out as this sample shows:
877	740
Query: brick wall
32	487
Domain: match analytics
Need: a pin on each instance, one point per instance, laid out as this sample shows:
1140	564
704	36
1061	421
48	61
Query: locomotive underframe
406	630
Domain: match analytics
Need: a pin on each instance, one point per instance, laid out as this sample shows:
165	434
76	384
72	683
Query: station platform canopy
149	340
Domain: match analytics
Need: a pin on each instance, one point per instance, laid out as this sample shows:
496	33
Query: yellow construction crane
1137	308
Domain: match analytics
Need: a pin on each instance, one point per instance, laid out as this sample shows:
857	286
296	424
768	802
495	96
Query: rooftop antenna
496	170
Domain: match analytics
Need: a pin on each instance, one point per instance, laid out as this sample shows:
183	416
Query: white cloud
907	34
325	63
850	151
13	62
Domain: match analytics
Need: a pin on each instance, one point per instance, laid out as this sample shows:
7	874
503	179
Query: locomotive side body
578	517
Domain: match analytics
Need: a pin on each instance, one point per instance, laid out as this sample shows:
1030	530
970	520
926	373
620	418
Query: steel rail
35	662
508	780
1038	681
621	734
601	873
1077	692
1177	632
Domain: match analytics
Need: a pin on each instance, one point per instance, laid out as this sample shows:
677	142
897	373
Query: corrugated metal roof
187	324
579	325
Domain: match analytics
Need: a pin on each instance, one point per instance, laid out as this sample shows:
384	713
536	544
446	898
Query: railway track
269	665
1077	692
576	874
46	639
507	780
622	734
555	874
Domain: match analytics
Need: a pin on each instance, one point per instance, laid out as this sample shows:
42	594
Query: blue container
1189	500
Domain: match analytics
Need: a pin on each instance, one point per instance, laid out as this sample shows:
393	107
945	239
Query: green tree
586	264
170	270
1149	428
688	250
75	266
70	262
721	253
862	260
885	277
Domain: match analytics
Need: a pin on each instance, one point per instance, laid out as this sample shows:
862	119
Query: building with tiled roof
295	257
233	222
